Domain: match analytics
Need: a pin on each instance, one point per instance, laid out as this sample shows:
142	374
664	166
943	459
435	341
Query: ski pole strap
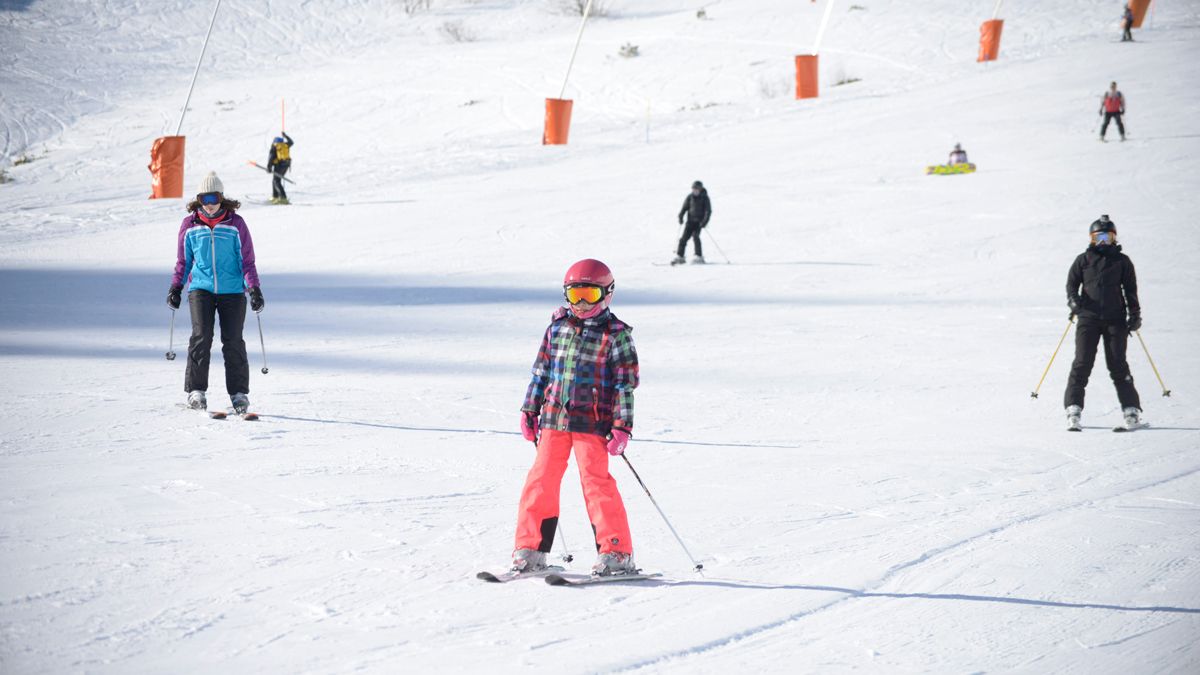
1166	392
1070	321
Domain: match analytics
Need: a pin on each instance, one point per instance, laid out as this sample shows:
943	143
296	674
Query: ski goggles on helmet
588	293
209	198
1104	237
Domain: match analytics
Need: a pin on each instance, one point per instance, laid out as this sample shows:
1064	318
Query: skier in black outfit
279	161
1107	308
1127	24
698	210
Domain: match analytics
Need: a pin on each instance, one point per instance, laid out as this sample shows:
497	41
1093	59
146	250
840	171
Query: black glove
1135	322
256	299
174	296
1073	305
680	220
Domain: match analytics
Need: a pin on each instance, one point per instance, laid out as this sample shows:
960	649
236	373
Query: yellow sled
949	169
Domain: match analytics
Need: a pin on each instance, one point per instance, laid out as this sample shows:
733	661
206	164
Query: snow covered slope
838	423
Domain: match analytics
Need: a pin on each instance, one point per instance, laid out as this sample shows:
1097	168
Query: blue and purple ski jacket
584	375
217	258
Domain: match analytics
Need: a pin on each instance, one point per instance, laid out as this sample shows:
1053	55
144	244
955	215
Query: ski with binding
511	575
562	580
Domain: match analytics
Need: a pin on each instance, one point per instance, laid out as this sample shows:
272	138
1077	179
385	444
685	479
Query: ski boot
1073	413
614	563
698	260
1133	418
241	403
197	400
678	260
283	201
528	560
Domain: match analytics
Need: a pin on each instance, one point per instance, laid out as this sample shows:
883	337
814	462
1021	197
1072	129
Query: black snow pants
281	168
230	308
1127	35
1111	116
1116	338
690	231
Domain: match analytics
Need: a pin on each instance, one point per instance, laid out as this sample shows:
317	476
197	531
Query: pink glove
616	444
529	426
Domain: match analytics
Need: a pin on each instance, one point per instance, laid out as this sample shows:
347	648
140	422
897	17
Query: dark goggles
209	198
588	293
1103	237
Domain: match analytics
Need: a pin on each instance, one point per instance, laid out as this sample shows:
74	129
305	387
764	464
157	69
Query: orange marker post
558	121
166	167
806	76
989	40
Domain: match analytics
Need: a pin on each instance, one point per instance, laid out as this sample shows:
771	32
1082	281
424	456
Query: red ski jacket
1114	103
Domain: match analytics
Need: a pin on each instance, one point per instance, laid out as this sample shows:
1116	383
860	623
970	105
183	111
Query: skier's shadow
957	597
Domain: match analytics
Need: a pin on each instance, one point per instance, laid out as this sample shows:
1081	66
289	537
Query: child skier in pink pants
581	398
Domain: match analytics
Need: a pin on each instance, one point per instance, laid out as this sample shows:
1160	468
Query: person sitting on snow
958	155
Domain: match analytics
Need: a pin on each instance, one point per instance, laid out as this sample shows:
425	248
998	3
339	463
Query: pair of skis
1119	428
555	576
221	414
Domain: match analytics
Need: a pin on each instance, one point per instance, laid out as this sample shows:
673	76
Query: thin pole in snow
200	60
996	9
586	11
821	30
647	120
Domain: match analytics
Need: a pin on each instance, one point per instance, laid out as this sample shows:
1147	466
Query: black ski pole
714	241
697	566
171	343
258	315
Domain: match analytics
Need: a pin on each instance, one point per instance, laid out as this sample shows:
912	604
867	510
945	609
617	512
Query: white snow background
838	423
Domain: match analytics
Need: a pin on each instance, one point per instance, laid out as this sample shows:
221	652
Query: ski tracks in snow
779	630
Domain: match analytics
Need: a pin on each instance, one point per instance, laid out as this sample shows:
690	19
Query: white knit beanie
211	184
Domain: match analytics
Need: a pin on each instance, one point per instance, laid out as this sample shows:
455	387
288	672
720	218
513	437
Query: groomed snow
838	423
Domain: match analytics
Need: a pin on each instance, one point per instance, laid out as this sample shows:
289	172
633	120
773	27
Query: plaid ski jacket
584	375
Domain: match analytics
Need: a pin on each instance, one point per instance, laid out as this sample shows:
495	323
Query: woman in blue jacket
215	257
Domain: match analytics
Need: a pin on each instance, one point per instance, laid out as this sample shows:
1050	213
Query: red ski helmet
590	272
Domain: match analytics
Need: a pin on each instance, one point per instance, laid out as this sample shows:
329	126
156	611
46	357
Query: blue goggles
1103	237
209	198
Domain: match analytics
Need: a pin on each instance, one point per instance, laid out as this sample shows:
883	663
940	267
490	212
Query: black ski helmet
1103	224
697	185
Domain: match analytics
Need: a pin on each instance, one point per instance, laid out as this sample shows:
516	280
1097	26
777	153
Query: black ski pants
1115	335
690	231
230	309
1107	118
1127	35
277	178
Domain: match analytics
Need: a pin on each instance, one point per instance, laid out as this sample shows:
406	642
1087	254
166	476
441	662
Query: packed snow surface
838	422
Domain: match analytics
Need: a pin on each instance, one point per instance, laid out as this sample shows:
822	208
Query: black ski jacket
697	208
1109	285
